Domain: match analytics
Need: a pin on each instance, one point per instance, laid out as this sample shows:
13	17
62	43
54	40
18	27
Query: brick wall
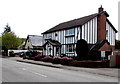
105	47
101	27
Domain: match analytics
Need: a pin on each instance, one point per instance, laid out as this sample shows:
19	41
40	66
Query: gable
28	44
102	45
105	47
52	42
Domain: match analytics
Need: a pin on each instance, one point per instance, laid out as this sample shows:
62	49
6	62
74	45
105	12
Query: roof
99	44
53	42
75	22
72	23
35	40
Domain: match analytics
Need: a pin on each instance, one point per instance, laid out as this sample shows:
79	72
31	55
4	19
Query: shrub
34	53
65	60
38	57
56	59
11	53
47	59
82	49
29	54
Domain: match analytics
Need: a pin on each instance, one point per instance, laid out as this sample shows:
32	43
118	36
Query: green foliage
22	43
117	44
82	49
22	40
11	53
10	40
7	29
0	41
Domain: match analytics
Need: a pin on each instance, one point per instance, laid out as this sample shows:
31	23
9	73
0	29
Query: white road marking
35	73
40	74
60	69
56	69
23	69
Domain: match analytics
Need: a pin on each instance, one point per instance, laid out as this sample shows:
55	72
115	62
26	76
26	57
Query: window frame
69	32
70	48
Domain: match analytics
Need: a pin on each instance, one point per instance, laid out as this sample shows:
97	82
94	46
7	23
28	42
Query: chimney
100	9
101	25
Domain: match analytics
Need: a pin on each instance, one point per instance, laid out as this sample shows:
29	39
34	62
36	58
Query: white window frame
49	36
70	48
70	32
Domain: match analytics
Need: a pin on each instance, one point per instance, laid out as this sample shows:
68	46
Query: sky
33	17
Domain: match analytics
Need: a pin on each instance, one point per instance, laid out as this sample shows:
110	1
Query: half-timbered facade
92	28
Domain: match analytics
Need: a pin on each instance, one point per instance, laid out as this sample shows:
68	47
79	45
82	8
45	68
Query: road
13	71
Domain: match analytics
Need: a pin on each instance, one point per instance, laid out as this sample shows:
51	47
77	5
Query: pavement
112	72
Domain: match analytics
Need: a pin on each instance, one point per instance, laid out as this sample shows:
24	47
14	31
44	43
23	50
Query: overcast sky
33	17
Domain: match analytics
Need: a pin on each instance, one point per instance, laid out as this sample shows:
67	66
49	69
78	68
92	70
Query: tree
10	40
0	41
117	46
22	43
7	29
82	49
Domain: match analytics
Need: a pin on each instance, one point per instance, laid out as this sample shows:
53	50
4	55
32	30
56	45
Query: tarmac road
13	71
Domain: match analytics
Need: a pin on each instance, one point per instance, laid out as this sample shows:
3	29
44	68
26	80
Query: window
49	36
70	48
106	34
70	32
55	34
69	40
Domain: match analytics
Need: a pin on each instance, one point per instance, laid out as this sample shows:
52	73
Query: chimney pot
100	9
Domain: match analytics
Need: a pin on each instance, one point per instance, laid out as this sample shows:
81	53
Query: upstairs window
49	36
56	34
69	32
106	34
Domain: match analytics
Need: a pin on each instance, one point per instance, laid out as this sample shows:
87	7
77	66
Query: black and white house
93	28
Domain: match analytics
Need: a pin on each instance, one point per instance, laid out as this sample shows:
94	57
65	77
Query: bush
38	57
47	59
65	60
82	49
11	53
29	54
56	59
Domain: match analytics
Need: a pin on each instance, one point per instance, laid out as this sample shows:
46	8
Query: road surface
13	71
